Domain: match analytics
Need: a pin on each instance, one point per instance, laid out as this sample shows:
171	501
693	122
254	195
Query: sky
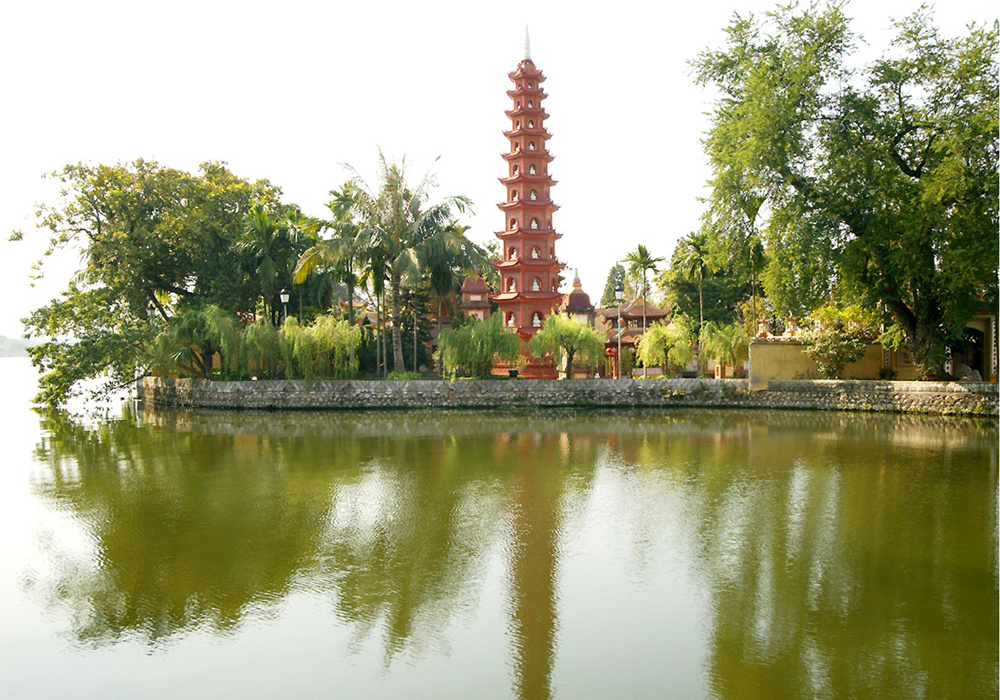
292	91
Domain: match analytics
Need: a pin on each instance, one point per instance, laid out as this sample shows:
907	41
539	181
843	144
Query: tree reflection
840	556
851	563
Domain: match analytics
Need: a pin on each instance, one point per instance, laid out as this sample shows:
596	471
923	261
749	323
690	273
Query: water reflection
840	555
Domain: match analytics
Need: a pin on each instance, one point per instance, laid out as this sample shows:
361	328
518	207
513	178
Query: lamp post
619	293
284	295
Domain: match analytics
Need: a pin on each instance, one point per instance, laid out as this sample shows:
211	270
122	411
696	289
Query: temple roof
634	311
473	284
577	301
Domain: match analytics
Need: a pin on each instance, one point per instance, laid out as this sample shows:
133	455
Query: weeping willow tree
666	345
193	338
472	349
727	345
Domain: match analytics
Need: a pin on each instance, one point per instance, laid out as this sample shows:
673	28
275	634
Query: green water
681	554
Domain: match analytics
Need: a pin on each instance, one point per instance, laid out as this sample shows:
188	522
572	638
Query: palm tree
398	220
263	231
695	260
641	262
341	253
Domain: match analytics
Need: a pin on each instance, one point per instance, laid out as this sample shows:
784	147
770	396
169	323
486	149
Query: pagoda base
527	368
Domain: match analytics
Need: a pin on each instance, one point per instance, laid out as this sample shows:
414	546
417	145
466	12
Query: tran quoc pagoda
529	269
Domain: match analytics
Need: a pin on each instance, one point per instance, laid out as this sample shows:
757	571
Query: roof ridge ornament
527	44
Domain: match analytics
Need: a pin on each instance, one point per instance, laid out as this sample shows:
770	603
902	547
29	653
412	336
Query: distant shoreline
13	347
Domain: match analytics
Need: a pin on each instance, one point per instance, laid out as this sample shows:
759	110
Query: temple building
576	305
475	300
528	267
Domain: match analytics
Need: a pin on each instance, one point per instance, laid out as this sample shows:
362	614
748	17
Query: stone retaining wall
904	397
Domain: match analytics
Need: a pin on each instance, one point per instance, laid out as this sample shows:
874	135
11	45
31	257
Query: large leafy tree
898	160
154	241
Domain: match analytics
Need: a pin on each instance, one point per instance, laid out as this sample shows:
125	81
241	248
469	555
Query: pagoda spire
527	45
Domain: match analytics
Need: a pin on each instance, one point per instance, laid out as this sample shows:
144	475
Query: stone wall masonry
978	399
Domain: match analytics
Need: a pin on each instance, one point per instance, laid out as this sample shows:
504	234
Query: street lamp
284	295
619	293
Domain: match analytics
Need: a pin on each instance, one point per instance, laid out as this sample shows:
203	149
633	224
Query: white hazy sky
289	91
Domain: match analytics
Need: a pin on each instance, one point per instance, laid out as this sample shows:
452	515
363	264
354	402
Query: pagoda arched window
510	319
536	285
534	223
530	104
517	124
531	123
515	170
517	147
536	319
513	224
535	252
529	86
511	285
513	195
531	170
531	145
555	285
534	195
518	104
512	254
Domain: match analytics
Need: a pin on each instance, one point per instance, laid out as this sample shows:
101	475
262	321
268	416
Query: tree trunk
644	316
569	363
701	318
397	322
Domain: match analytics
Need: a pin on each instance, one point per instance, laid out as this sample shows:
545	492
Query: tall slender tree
695	261
640	262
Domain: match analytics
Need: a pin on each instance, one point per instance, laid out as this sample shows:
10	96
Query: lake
547	554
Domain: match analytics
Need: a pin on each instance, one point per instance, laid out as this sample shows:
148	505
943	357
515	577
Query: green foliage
667	345
396	224
191	340
92	339
471	349
335	342
616	276
641	262
261	350
154	241
395	376
839	337
727	345
882	182
561	335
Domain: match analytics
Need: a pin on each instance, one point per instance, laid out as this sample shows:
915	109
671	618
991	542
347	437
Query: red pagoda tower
529	268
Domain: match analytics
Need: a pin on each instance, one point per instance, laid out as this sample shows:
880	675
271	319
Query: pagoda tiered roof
528	296
542	154
527	232
539	178
528	204
527	69
541	132
521	111
528	262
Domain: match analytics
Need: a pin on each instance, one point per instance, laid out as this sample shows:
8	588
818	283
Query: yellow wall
784	359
